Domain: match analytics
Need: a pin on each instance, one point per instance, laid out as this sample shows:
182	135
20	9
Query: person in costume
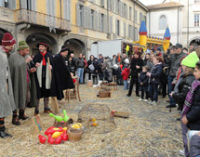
7	104
62	76
19	77
44	63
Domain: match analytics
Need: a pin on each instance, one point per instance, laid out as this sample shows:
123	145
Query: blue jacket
156	73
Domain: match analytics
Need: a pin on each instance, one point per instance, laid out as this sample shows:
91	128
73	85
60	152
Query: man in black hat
44	64
62	76
174	65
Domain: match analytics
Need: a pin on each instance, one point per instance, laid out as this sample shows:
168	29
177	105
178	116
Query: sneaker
145	100
154	103
149	102
140	99
181	152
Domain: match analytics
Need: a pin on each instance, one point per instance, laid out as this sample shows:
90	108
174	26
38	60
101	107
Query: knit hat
22	45
190	60
8	40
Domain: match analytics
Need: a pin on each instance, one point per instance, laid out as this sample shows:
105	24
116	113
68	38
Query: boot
15	119
22	116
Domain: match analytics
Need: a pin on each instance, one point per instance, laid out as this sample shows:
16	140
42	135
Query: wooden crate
104	94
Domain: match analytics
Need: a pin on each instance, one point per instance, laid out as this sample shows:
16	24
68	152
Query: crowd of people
176	73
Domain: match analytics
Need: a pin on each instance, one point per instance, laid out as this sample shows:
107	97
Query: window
196	20
67	9
118	6
135	17
118	28
130	13
141	17
92	19
81	16
102	23
102	3
162	22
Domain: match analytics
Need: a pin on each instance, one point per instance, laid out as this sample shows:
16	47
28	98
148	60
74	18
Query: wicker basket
74	135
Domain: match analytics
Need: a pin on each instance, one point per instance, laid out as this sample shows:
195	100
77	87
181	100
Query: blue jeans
154	92
125	84
185	141
80	72
170	89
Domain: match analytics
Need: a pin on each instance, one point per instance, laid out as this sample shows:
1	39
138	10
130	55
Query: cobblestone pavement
150	131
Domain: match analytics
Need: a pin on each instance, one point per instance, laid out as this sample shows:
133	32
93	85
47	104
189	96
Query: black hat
179	46
63	49
44	44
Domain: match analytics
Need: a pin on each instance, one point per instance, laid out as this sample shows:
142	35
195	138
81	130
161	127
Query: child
143	80
125	75
154	75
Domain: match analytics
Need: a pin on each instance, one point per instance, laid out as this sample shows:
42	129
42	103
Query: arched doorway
35	38
76	46
2	31
195	41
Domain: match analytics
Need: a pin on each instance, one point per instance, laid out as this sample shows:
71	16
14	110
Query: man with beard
44	64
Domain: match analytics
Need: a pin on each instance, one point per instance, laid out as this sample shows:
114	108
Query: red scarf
43	59
5	50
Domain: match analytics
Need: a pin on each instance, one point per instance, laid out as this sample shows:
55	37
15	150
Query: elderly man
7	104
20	78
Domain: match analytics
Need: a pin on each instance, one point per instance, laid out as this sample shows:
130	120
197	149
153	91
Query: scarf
43	58
119	59
189	97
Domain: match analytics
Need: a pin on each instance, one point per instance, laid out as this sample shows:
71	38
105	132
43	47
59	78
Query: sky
150	2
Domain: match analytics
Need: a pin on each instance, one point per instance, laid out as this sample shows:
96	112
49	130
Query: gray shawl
7	104
18	71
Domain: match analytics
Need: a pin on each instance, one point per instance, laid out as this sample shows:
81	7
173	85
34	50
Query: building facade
181	16
74	23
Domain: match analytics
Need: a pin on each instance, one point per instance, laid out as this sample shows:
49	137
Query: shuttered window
67	9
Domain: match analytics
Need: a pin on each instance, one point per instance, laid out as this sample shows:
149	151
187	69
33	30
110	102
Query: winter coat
144	79
125	73
62	77
175	62
193	115
182	87
149	64
72	65
156	73
134	71
7	104
80	63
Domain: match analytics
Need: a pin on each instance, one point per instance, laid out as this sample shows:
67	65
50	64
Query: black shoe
3	134
128	95
170	106
15	121
22	115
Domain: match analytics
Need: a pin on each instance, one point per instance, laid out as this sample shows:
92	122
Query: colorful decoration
55	135
59	118
143	34
166	42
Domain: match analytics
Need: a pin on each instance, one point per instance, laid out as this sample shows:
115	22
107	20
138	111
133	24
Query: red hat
44	44
8	39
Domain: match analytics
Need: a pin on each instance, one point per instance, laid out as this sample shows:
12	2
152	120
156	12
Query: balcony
41	19
6	15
